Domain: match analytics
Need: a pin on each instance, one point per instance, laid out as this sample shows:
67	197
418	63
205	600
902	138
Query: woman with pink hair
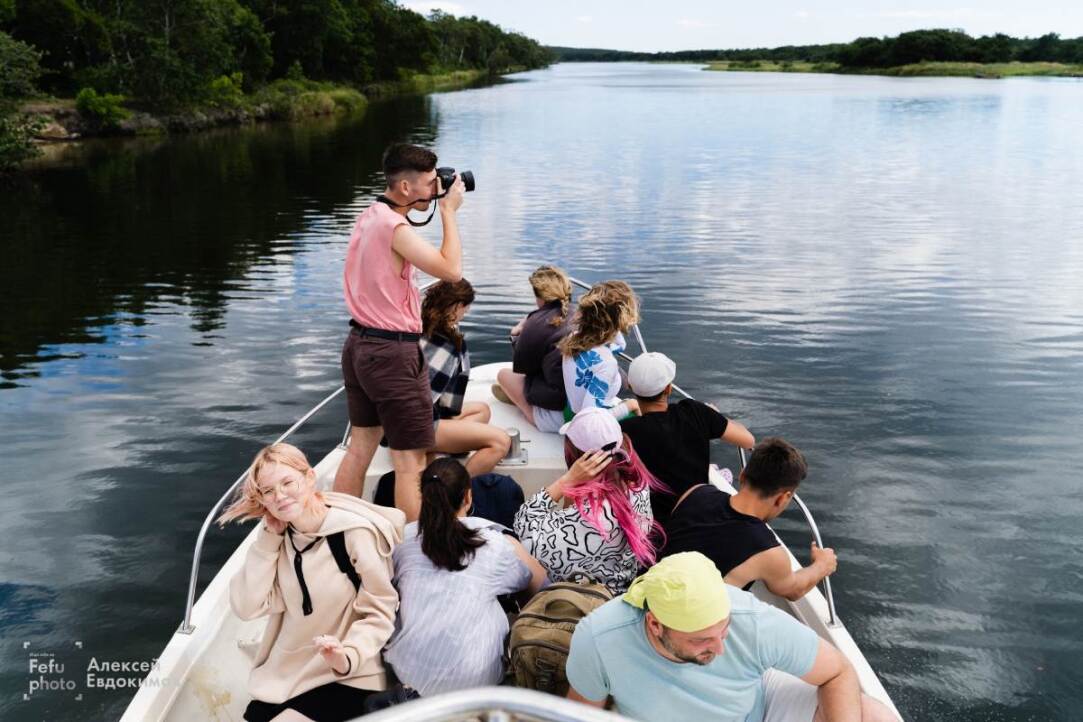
594	522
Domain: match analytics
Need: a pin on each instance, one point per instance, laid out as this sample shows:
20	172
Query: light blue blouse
450	630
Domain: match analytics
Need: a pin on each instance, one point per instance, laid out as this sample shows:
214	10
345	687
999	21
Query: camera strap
435	200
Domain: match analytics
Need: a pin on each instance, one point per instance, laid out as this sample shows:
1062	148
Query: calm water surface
885	271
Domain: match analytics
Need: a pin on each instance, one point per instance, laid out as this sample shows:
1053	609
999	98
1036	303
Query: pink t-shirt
376	295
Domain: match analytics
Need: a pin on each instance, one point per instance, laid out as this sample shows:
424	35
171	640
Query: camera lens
468	180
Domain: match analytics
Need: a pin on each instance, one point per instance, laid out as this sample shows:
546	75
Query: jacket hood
350	512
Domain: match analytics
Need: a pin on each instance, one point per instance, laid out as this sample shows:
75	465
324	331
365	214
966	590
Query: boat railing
193	579
828	595
186	626
493	704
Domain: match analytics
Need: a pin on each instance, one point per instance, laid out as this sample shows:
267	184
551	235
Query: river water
887	272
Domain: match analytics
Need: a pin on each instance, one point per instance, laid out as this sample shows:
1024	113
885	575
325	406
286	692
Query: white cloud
930	14
427	7
584	19
802	14
693	24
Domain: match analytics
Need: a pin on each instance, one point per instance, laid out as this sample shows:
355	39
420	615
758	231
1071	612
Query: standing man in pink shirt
386	379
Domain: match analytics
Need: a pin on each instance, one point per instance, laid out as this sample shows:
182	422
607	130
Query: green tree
1046	48
864	53
994	48
19	67
930	45
18	71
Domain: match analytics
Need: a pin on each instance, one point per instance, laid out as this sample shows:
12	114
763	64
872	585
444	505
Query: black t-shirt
706	523
675	445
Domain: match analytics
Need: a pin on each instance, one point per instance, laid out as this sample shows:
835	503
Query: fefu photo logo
48	673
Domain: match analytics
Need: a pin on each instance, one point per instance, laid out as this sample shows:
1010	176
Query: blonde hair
552	284
607	308
248	503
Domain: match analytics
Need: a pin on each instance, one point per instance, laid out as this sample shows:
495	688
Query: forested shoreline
229	60
870	54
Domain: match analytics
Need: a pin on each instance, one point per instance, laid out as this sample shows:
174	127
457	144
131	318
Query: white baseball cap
593	428
650	373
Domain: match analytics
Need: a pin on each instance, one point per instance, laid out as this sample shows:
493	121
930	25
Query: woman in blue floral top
591	373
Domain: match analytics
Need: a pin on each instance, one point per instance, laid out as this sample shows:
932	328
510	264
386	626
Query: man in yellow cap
681	645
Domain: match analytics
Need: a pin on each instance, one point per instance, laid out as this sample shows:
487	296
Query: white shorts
787	698
547	420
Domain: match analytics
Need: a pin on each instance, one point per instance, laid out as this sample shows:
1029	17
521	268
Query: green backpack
542	634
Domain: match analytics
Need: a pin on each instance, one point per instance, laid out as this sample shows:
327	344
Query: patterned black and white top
570	548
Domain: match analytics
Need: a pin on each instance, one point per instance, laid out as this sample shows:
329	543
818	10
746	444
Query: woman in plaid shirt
460	427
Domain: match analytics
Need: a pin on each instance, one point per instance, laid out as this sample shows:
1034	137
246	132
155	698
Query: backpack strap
337	543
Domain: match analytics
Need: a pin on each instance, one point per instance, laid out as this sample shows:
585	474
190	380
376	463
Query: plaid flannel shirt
449	372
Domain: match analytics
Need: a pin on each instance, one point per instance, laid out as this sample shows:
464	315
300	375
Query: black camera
447	177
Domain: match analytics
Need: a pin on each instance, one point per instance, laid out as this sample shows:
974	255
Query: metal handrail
828	595
492	704
831	617
186	626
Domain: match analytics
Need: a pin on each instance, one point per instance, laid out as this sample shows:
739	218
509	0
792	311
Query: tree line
938	45
166	53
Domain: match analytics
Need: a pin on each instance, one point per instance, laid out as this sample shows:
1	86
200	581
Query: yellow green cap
685	592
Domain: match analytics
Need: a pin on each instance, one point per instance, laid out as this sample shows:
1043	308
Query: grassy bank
772	66
926	69
417	83
62	119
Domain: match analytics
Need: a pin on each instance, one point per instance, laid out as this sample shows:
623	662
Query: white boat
203	671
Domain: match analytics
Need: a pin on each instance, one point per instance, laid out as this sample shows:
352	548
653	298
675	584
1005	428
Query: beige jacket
287	663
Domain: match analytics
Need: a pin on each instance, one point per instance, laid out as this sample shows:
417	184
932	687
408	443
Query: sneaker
500	394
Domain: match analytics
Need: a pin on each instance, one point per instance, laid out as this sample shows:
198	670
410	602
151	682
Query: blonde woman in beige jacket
321	569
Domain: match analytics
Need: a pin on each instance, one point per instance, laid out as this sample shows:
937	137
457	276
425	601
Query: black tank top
706	523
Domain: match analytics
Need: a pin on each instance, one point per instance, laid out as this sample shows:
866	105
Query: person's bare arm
446	262
839	691
587	466
773	567
738	435
537	571
576	697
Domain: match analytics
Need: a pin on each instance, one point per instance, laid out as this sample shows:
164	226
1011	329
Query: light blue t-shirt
611	655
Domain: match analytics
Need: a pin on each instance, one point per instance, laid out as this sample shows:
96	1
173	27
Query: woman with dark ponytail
449	571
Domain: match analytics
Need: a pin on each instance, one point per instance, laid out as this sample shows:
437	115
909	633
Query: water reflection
882	270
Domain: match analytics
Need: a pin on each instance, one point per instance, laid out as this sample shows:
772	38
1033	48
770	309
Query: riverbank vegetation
145	65
922	69
921	52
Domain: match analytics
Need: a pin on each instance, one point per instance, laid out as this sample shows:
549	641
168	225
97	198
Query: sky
650	25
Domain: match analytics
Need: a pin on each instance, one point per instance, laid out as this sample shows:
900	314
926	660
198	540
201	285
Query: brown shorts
387	384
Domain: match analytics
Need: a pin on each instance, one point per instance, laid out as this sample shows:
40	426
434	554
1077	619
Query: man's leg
514	386
408	464
350	477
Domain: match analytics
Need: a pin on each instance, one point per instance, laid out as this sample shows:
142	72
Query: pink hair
613	485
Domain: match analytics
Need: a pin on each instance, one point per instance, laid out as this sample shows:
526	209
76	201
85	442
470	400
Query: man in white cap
681	645
673	440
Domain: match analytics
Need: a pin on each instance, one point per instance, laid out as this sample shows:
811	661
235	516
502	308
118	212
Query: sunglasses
619	456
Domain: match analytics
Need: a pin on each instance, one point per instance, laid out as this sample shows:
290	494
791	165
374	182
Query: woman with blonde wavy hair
535	382
321	569
589	364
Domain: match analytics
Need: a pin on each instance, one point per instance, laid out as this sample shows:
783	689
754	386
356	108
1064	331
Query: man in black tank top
733	533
